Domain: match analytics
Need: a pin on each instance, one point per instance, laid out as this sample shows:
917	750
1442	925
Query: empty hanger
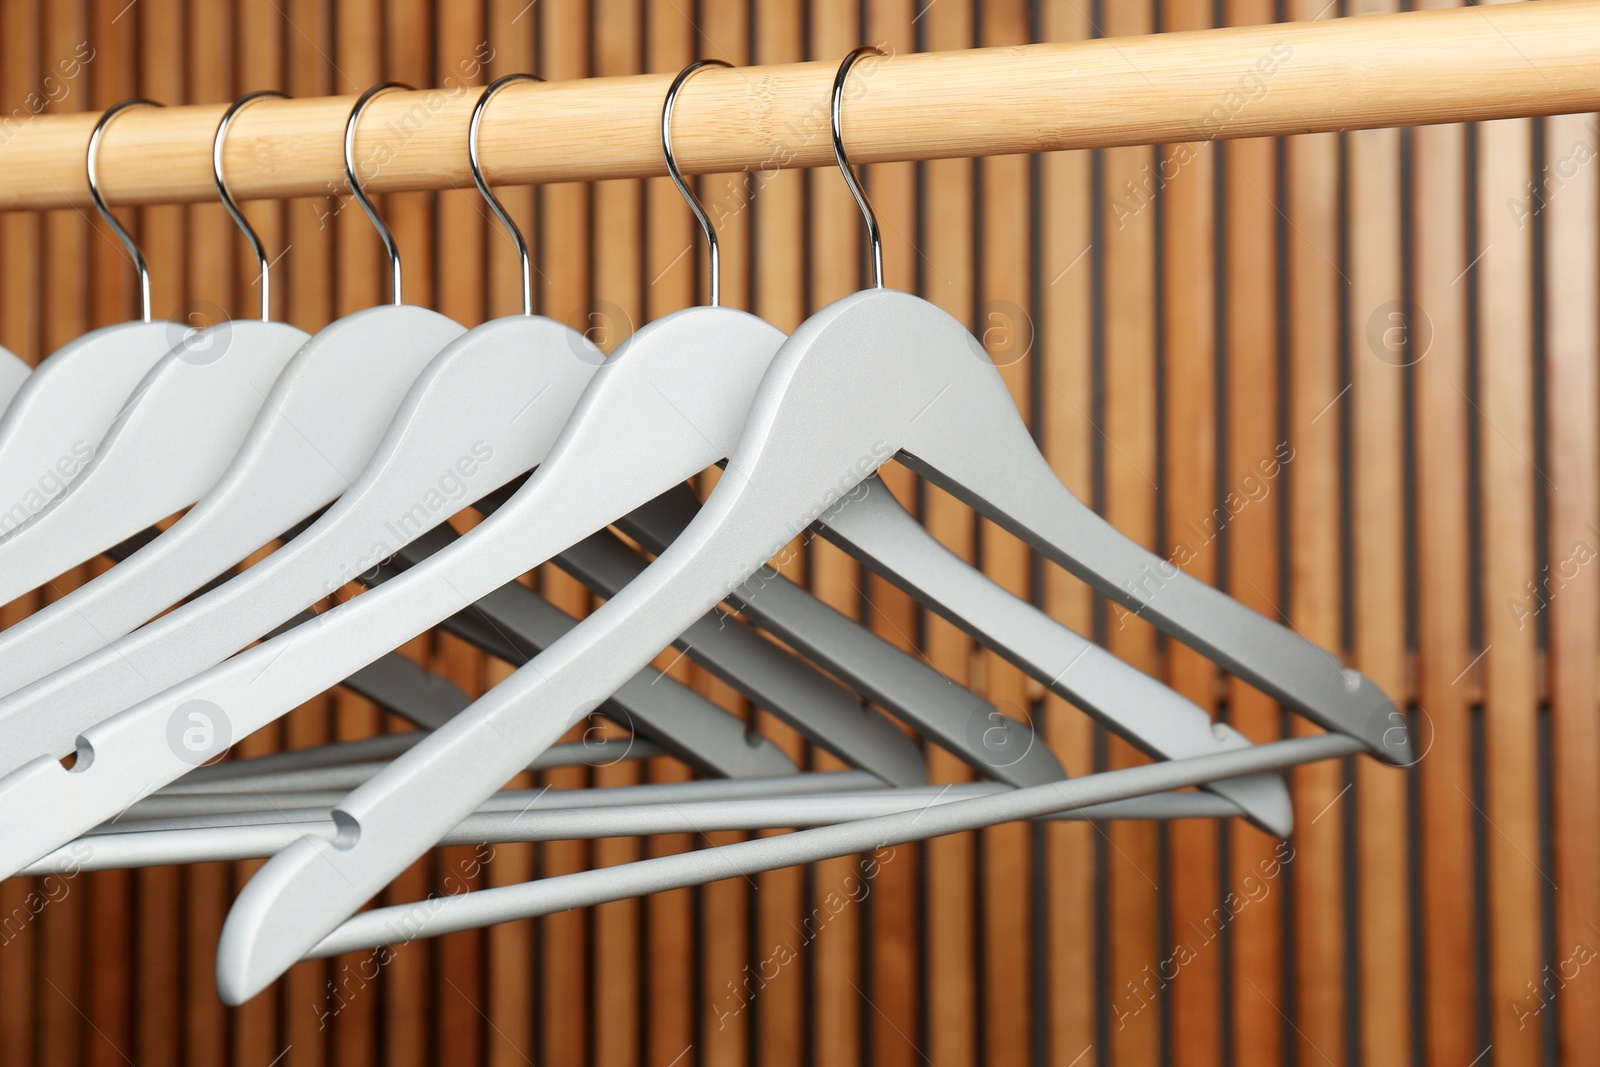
664	408
63	408
875	375
319	424
175	436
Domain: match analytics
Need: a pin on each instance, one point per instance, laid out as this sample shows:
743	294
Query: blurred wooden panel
1425	488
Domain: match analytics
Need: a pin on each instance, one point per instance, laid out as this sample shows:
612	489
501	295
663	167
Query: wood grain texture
1016	944
1434	66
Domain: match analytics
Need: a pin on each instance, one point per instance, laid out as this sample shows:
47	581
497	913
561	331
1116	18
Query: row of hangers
356	444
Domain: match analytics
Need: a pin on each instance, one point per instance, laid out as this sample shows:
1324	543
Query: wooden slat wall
1400	325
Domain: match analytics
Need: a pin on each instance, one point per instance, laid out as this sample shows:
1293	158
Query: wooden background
1402	309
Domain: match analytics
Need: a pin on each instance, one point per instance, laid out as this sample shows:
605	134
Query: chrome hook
355	185
91	166
677	177
483	185
227	198
836	119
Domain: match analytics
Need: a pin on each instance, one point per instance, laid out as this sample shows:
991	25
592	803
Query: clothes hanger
321	420
872	526
158	842
675	393
514	624
63	408
173	439
480	413
874	375
1139	787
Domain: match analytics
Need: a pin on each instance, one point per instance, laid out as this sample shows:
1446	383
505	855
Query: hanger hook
355	184
836	116
483	185
91	166
677	177
227	198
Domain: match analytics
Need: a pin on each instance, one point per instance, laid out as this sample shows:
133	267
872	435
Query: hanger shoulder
969	726
820	709
874	528
58	417
174	438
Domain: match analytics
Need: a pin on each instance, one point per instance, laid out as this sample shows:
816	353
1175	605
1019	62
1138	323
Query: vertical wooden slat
213	250
564	966
162	76
1505	419
952	983
1250	539
1003	325
1317	394
890	983
1065	345
112	1001
673	259
1378	360
510	1004
63	1035
617	1002
299	236
1572	278
359	279
1184	182
1444	725
777	199
836	257
459	229
1130	480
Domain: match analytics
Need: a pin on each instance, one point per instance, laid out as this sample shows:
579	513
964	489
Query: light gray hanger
60	412
667	406
481	411
873	527
1097	795
874	375
156	842
515	625
320	423
173	439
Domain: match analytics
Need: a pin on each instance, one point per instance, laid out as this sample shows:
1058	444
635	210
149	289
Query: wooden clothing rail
1447	65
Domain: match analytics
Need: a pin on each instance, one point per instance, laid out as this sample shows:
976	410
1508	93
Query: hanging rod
1440	65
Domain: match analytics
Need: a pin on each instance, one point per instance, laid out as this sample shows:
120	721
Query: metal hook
836	117
483	185
355	185
227	197
92	168
677	177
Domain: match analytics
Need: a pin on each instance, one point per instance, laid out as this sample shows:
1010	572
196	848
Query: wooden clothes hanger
320	420
875	375
62	410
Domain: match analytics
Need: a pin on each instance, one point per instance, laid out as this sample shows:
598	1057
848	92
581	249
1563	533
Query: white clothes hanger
1096	795
175	436
515	625
675	393
61	411
874	375
321	421
874	528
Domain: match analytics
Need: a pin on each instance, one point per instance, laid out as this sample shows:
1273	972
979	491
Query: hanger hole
346	831
82	756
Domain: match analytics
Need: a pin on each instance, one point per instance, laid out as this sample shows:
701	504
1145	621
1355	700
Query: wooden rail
1411	68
